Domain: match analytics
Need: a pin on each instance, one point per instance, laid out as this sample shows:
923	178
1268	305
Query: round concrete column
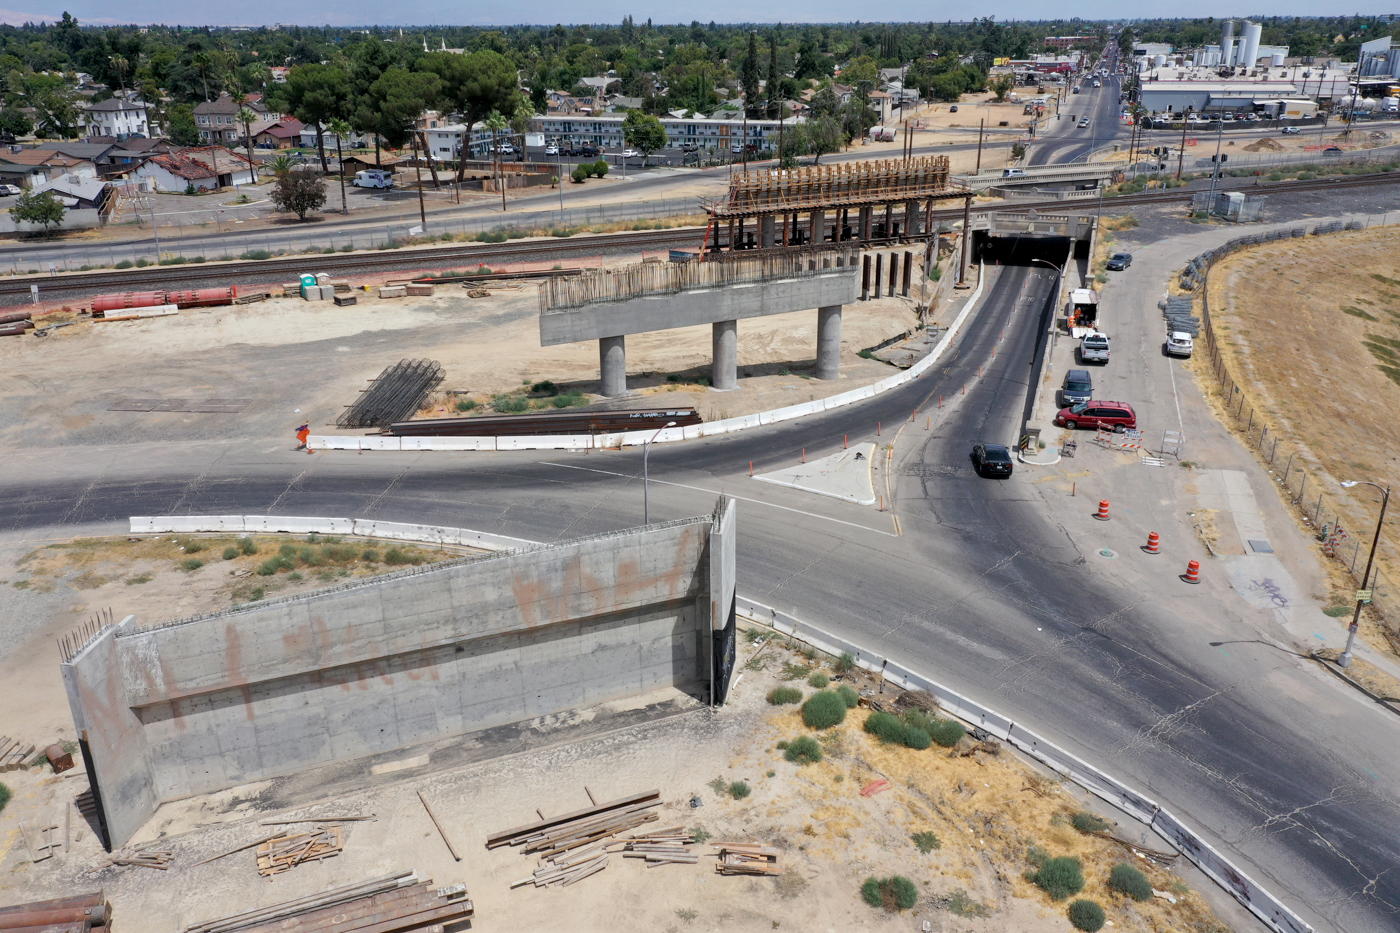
724	369
829	342
612	357
767	228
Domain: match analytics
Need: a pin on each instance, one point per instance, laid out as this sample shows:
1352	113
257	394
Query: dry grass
1310	327
987	810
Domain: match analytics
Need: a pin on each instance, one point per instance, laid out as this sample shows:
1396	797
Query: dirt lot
295	360
1312	328
988	814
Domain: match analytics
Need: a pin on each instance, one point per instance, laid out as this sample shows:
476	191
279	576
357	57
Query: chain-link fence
1304	482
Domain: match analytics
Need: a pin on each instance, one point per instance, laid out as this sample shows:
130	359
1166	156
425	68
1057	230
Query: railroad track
77	285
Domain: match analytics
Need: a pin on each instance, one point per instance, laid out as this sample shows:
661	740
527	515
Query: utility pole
1182	155
980	127
1215	169
418	170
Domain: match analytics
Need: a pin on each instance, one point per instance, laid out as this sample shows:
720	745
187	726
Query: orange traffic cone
1154	543
1102	513
1193	572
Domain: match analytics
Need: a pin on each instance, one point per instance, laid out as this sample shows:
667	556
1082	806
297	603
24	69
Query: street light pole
1345	659
646	450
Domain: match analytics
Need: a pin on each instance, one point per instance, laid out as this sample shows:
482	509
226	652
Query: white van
1179	344
374	178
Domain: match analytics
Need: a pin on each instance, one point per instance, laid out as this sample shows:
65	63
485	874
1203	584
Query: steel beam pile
391	904
398	392
76	914
573	846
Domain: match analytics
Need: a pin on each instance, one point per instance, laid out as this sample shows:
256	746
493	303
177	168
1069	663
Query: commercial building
698	132
1203	96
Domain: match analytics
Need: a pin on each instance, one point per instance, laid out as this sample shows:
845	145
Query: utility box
392	291
343	301
422	291
311	292
327	292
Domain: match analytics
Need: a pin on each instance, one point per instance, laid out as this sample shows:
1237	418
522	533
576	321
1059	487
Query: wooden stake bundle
747	858
147	858
283	853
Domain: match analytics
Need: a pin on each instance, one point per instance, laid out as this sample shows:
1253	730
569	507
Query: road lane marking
715	492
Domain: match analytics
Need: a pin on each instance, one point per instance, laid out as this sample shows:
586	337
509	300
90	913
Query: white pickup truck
1093	348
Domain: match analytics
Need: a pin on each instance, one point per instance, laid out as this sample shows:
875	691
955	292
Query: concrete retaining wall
1260	902
272	688
637	438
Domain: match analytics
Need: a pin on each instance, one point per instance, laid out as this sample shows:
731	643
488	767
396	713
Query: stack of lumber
14	754
660	847
392	904
283	853
76	914
747	858
146	858
572	846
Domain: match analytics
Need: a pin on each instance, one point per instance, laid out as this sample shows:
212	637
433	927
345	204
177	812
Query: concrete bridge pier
767	227
724	367
612	357
829	342
912	218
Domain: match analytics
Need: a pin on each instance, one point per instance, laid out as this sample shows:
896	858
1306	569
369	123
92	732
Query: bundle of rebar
572	846
283	853
747	858
661	847
394	903
835	185
396	394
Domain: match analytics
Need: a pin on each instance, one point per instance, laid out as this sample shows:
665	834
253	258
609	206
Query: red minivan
1119	416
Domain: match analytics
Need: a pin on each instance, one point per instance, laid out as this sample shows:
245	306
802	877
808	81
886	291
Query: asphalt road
993	586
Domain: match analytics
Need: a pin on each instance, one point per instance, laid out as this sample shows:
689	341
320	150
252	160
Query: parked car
1116	415
505	149
9	190
1290	131
1013	173
1120	261
1093	348
1077	387
1179	343
992	460
551	150
1332	151
631	154
953	109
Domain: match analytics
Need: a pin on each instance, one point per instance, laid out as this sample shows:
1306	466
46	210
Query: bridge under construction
872	203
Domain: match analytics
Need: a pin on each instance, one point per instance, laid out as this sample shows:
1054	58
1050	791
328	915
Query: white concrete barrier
357	527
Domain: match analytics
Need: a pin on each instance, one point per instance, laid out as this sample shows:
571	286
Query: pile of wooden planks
14	754
146	858
662	847
747	858
573	846
392	904
283	853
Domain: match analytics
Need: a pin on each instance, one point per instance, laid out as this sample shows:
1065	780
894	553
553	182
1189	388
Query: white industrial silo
1249	54
1227	43
1276	60
1158	61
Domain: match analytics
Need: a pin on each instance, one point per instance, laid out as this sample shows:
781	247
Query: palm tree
120	66
202	61
280	165
341	129
520	123
496	123
247	117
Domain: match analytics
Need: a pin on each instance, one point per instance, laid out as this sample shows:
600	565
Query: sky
548	12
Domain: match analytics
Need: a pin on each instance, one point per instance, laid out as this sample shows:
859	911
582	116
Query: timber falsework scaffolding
856	203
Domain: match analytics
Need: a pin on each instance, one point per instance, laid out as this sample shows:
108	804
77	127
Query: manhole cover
1105	552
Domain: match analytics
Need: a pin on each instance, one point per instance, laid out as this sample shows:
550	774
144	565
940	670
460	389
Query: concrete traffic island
609	304
198	705
840	476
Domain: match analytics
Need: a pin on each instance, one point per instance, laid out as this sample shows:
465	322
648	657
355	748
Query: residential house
355	140
279	74
177	171
96	151
29	168
622	104
599	85
118	118
217	120
277	134
76	192
881	102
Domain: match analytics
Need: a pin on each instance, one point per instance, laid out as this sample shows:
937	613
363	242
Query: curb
1331	666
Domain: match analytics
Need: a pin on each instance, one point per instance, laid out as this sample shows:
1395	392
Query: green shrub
310	557
1060	877
739	790
600	168
4	796
1037	857
1126	879
824	710
926	842
848	695
370	556
230	552
1087	822
395	557
916	738
782	696
546	387
295	576
1086	916
818	680
124	264
466	404
192	563
287	550
947	732
248	546
274	564
579	174
804	751
886	727
258	254
193	546
846	663
897	893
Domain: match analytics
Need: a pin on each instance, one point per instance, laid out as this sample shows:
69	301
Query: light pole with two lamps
1054	331
1345	659
646	449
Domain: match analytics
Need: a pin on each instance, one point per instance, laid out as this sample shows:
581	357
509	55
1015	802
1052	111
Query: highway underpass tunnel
1021	249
